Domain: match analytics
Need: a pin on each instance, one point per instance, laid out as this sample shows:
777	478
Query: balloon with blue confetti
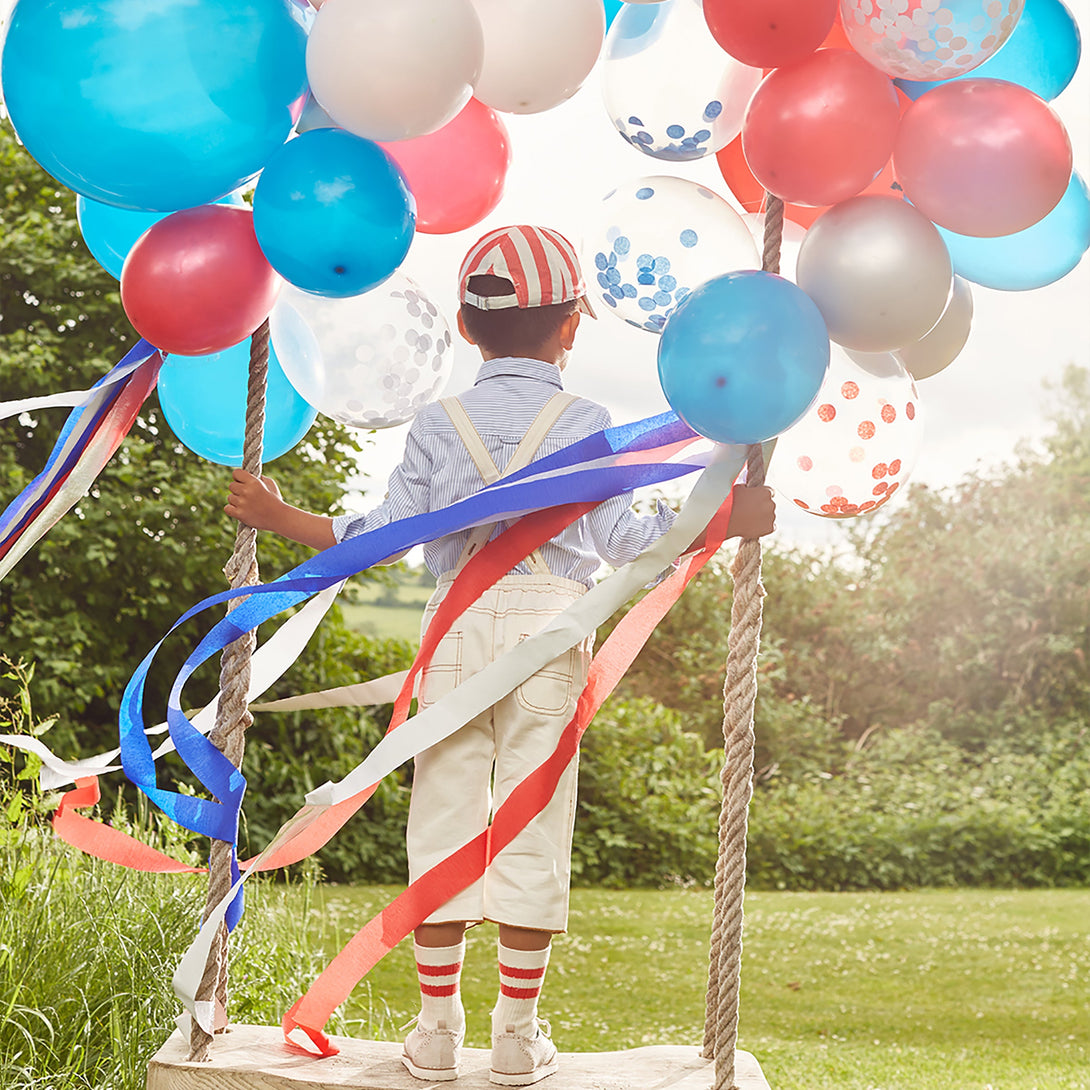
655	240
743	357
670	90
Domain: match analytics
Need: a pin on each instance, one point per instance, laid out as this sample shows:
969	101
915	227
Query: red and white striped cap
540	262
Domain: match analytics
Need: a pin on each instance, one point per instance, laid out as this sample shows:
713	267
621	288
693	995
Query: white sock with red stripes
522	973
439	970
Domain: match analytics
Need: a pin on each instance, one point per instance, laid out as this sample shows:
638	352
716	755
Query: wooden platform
256	1058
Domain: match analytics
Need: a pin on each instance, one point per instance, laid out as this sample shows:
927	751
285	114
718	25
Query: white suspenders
524	454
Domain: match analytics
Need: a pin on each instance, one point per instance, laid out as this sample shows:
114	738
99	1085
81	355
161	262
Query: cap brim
586	308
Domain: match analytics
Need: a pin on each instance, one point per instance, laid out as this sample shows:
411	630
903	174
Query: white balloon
939	348
669	87
656	239
878	270
537	53
392	71
857	444
367	361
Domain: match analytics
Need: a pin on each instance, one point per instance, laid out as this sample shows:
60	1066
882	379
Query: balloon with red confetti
857	445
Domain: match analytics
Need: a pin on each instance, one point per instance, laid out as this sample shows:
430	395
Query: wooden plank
257	1058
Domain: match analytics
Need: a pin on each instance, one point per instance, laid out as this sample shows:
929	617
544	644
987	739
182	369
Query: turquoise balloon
154	106
612	8
111	232
204	401
743	357
1041	54
1032	258
333	213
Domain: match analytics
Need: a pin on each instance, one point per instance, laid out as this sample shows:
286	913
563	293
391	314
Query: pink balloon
197	282
982	157
456	173
819	131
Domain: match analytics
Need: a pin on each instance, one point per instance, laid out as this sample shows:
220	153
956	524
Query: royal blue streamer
9	524
511	496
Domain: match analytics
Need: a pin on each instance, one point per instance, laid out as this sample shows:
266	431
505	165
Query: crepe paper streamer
270	662
74	399
104	841
453	710
384	931
218	819
87	441
363	694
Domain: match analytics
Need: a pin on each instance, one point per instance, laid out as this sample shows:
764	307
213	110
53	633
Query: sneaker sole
524	1078
430	1074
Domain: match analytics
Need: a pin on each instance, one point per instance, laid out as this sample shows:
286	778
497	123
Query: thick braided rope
232	715
739	697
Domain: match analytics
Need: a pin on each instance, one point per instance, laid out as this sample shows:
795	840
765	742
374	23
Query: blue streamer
511	496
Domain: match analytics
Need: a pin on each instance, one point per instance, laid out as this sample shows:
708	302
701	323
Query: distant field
933	990
387	612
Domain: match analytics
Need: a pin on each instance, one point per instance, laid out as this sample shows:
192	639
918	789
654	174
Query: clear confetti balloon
367	361
928	39
670	89
655	239
857	445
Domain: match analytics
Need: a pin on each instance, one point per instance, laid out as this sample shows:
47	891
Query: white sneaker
519	1060
433	1054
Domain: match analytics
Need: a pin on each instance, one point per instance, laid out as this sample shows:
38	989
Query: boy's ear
569	327
462	329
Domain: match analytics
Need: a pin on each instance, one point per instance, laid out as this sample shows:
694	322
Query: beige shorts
461	781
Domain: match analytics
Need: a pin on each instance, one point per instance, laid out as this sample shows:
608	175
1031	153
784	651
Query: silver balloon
878	270
941	346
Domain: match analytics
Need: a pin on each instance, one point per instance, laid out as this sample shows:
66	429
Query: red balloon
751	194
456	173
770	33
819	131
983	157
197	282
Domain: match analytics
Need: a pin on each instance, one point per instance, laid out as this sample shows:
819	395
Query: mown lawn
931	990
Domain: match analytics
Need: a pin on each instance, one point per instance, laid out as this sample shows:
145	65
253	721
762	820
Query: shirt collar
519	367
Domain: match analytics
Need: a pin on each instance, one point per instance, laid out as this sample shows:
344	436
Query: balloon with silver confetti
367	361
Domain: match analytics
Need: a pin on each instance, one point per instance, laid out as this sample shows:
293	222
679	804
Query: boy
522	297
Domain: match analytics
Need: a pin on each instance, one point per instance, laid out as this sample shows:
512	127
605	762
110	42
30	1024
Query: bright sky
568	158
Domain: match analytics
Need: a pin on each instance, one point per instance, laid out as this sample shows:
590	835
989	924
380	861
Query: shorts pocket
549	691
444	672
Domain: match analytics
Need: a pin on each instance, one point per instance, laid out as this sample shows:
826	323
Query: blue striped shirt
437	470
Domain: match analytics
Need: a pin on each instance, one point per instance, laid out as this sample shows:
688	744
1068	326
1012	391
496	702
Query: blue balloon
111	232
743	357
1041	54
1032	258
612	8
204	401
154	106
333	213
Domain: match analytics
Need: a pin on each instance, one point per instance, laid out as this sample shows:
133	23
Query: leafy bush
648	800
914	810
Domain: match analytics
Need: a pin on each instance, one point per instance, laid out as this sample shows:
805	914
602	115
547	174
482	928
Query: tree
150	539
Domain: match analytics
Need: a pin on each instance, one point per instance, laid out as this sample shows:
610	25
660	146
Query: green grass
387	612
932	990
